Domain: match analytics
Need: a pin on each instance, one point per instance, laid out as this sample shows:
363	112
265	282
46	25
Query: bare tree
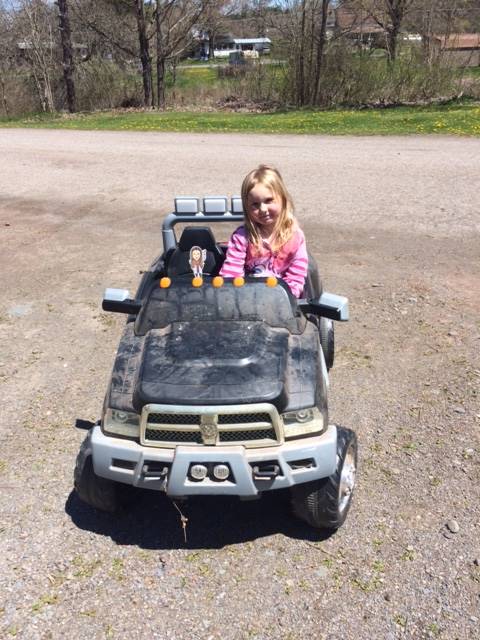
445	17
301	89
320	36
390	15
174	21
39	47
7	53
168	23
108	27
160	59
123	25
260	11
304	28
145	57
67	53
213	22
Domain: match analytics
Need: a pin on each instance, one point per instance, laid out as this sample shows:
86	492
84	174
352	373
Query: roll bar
188	209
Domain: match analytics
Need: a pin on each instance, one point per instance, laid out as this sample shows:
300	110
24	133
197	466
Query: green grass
453	119
189	62
201	76
472	72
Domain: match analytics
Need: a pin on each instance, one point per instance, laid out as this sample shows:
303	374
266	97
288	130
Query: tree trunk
392	37
427	33
396	10
160	60
144	53
67	51
4	96
41	74
48	92
40	91
301	60
310	62
41	54
161	83
211	45
322	38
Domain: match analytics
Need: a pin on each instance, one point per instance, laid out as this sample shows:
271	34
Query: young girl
270	242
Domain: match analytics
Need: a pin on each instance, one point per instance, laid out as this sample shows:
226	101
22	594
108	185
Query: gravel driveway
395	225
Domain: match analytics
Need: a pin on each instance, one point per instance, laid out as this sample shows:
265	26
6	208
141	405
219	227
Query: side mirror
328	305
119	301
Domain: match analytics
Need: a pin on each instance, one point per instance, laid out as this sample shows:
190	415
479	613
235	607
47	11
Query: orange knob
165	283
271	281
197	281
238	281
217	281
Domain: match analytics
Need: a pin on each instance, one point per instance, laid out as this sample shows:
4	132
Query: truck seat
178	264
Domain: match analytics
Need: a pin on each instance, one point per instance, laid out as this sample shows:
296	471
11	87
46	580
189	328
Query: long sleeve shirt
290	262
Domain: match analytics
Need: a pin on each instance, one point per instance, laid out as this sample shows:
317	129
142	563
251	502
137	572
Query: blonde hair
285	226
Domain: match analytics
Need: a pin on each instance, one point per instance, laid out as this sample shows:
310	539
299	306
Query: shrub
351	78
102	84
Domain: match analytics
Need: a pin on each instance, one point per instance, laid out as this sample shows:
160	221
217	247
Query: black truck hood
216	362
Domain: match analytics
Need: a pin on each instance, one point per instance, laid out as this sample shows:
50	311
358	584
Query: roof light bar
212	206
237	204
215	205
186	205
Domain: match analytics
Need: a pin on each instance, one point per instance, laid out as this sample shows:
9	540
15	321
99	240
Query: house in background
359	27
227	44
461	49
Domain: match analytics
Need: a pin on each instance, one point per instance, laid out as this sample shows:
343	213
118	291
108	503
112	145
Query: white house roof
252	40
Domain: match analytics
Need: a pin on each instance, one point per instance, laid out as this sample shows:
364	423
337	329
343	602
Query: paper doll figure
197	260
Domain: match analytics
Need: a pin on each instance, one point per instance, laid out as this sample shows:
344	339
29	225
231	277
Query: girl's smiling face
263	207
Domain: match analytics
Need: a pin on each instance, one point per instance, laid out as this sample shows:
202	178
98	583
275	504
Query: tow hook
152	470
267	471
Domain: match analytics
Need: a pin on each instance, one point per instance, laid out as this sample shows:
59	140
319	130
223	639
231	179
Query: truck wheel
98	492
327	340
324	503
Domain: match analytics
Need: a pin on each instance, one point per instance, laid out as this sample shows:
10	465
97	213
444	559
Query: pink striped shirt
290	262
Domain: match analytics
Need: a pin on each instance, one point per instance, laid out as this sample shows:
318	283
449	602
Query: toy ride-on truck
219	386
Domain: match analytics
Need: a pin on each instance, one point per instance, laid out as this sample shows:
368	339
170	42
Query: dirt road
395	226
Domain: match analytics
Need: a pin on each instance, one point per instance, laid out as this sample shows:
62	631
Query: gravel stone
459	409
322	573
453	526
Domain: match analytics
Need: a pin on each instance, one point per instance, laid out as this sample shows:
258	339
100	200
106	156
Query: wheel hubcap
347	480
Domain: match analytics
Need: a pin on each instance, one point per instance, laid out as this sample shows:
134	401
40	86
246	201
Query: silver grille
169	426
236	418
240	436
171	418
184	437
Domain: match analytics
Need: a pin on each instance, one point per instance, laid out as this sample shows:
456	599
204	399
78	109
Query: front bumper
167	470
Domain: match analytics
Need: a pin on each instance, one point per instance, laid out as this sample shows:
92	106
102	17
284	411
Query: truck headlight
303	422
122	423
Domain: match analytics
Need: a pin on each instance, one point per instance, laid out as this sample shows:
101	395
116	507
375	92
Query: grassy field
471	72
195	76
453	119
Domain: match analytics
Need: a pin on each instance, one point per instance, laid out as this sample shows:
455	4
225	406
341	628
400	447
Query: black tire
327	340
98	492
324	504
